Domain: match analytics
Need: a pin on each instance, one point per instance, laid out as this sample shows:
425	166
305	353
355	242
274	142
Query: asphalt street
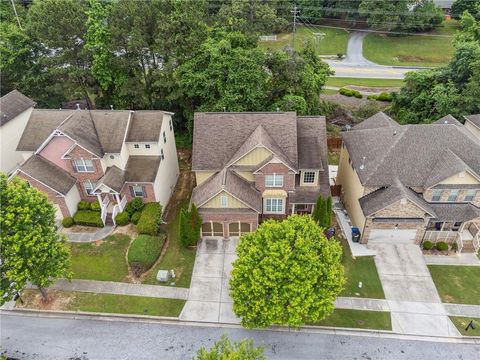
24	337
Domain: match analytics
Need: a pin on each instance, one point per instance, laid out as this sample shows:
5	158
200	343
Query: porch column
99	198
293	209
117	198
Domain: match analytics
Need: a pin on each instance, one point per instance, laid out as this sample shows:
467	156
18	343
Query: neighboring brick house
105	155
410	183
252	166
15	110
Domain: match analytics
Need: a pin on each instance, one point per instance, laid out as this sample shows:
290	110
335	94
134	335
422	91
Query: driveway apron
408	288
208	297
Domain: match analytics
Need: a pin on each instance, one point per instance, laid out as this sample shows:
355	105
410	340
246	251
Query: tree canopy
32	249
287	273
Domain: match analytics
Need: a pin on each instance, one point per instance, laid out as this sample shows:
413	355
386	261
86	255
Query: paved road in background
52	338
355	65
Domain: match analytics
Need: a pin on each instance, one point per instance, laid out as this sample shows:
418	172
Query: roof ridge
95	129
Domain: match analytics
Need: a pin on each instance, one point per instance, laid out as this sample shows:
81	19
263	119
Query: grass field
341	82
412	50
462	322
104	260
334	42
176	257
457	284
360	269
106	303
347	318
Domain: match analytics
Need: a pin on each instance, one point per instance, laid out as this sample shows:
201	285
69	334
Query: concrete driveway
415	305
208	298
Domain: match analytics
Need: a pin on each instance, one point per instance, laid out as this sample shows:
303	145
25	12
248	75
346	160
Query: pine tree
328	212
195	224
183	229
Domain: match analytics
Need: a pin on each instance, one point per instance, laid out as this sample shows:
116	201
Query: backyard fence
334	143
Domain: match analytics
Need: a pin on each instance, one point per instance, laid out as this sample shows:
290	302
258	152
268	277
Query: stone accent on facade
399	210
52	195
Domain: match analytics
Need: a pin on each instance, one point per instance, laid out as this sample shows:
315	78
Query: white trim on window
309	177
470	195
453	195
274	206
224	201
274	180
437	195
89	186
83	166
137	190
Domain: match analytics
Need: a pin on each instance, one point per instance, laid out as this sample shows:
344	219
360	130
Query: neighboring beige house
472	123
15	110
251	166
409	183
105	155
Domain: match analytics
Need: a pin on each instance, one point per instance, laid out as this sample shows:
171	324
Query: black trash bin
355	234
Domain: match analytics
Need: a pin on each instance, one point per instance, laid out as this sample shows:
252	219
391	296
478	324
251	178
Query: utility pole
295	13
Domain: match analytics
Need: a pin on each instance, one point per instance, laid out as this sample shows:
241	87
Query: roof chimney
362	166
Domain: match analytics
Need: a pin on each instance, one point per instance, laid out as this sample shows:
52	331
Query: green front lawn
176	257
412	50
457	284
107	303
103	260
379	320
360	269
342	82
334	42
462	322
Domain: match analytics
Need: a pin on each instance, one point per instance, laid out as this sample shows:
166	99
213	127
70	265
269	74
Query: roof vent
362	166
394	132
445	122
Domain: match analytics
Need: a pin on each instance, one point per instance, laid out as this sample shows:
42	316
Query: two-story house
15	110
251	166
105	155
409	183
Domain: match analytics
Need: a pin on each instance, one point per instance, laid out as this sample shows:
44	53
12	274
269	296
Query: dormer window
223	201
453	196
437	195
470	195
309	177
274	180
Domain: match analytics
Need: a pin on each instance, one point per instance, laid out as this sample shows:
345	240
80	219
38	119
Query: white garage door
58	212
392	236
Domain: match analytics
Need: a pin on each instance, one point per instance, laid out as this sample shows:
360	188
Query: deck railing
116	210
436	236
123	203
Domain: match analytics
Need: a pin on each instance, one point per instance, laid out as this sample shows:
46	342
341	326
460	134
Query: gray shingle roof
386	196
13	104
228	181
145	126
448	119
111	127
455	212
312	142
410	153
218	136
114	178
474	119
379	120
40	126
48	173
81	128
142	168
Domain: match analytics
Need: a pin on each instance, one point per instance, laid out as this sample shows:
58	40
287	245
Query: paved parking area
208	298
414	302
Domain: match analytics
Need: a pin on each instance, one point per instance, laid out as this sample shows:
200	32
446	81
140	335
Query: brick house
105	155
252	166
410	183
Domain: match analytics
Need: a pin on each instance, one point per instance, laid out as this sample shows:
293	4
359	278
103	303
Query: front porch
465	234
111	203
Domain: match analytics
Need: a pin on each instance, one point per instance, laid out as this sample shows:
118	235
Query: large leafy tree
224	349
287	273
454	89
401	15
32	249
460	6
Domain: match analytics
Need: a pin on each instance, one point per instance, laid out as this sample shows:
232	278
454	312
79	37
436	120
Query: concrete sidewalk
462	259
110	287
89	237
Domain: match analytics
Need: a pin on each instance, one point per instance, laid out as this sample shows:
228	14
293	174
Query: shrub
427	245
134	205
441	246
83	205
385	97
88	218
350	93
454	247
144	251
149	221
95	206
190	225
135	217
122	218
67	222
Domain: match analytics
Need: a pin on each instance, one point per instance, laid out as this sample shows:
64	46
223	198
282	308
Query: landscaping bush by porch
427	245
134	206
68	222
135	217
88	218
144	251
150	219
122	218
83	205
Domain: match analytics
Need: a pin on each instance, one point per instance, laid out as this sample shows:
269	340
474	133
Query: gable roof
114	178
448	119
383	197
48	173
410	153
312	142
474	119
80	127
455	212
12	105
217	137
145	126
379	120
142	168
227	180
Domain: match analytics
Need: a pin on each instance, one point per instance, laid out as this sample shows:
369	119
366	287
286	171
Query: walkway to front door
208	298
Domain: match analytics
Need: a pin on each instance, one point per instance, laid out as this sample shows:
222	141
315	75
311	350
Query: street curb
409	67
97	316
